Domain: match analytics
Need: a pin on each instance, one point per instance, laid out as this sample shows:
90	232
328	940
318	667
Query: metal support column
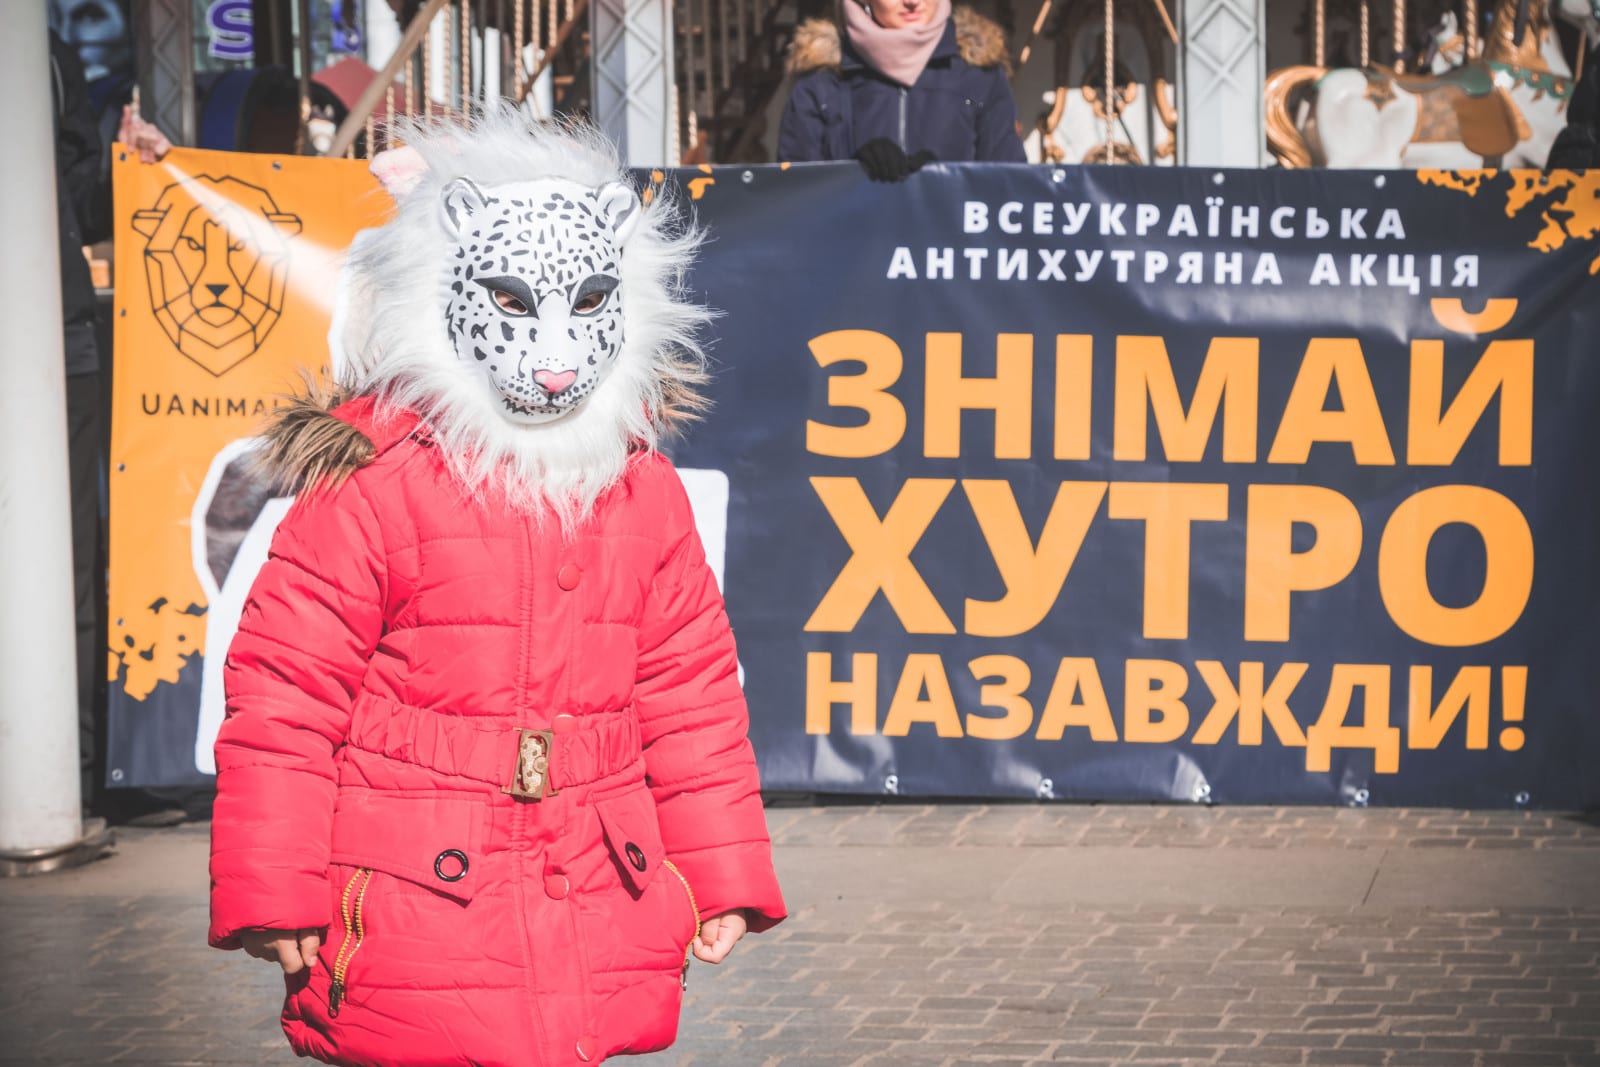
1222	73
633	78
164	40
41	820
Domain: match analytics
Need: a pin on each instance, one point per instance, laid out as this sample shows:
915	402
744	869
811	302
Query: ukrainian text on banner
225	267
1139	483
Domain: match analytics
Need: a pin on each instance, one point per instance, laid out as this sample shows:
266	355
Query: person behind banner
895	84
1577	146
485	737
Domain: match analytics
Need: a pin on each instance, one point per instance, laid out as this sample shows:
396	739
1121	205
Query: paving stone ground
956	934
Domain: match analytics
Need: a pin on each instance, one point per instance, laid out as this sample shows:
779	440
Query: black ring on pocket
450	853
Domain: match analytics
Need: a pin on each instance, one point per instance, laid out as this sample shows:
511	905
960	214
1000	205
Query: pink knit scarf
899	55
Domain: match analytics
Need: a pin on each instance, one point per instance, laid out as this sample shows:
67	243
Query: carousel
1486	87
1113	97
1496	99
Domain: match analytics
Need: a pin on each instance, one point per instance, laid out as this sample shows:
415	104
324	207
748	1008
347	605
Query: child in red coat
484	787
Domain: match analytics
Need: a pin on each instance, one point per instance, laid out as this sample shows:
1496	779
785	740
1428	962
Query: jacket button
584	1050
567	577
556	886
450	865
635	855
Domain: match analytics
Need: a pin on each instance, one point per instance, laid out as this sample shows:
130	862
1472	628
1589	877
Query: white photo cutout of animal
230	473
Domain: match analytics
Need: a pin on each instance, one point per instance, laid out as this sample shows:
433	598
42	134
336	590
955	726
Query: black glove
1575	148
886	161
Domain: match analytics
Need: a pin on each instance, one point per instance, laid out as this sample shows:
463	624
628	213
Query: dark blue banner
1158	484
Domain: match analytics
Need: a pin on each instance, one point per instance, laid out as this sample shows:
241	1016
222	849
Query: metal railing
731	57
456	54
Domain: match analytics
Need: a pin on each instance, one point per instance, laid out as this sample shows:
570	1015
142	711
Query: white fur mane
399	348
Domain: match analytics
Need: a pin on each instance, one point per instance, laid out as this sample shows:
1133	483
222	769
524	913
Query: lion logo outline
217	260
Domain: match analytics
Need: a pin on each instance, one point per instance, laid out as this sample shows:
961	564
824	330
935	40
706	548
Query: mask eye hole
508	303
589	304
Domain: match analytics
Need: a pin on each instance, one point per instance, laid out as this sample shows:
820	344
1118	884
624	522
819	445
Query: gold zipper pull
688	950
355	933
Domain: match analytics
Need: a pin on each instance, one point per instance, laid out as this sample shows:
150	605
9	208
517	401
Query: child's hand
292	949
718	935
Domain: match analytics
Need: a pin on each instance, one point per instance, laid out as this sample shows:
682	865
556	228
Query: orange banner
227	277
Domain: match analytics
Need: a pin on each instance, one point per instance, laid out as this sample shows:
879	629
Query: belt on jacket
522	762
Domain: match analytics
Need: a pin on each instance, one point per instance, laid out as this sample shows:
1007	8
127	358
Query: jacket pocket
433	841
429	841
633	836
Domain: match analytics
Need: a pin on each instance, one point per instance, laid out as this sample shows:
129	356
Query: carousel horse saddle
1463	105
1473	79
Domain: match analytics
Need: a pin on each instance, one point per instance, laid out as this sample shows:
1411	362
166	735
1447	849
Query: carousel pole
1470	16
1111	77
1366	34
518	31
1033	34
1319	24
1399	36
427	71
466	58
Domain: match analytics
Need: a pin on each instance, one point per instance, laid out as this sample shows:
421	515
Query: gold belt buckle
530	775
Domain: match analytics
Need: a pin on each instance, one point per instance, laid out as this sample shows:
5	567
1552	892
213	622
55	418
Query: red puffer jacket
399	652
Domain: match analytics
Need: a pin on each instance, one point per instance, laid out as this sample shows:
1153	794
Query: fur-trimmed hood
306	447
981	42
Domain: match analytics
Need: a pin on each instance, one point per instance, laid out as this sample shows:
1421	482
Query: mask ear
459	201
398	169
619	205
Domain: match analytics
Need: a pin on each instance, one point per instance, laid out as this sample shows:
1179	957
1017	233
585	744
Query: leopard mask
527	301
534	299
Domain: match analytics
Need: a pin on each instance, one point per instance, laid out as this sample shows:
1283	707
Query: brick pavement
1176	826
106	965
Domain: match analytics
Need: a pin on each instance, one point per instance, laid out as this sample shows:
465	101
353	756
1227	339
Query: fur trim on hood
306	448
982	43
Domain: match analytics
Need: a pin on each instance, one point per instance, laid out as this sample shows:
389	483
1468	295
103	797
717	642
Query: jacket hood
982	43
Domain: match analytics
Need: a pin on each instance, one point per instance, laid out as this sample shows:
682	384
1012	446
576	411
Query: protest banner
1128	483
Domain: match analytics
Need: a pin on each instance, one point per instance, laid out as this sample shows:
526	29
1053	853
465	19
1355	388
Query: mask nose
217	291
554	382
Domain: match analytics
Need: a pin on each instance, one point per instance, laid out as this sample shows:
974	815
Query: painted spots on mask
535	273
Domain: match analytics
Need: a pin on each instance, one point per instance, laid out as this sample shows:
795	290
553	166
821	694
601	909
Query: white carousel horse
1503	108
1072	126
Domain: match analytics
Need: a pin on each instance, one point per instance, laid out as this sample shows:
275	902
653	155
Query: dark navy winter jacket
960	108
